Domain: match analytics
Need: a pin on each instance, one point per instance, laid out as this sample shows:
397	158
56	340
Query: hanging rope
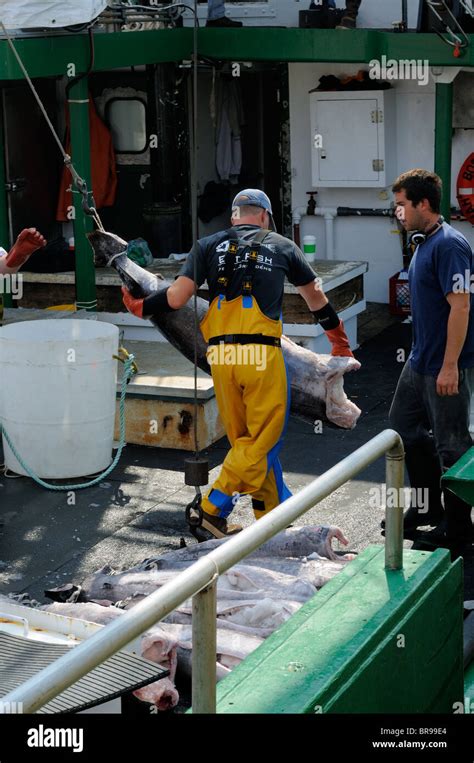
81	187
197	469
78	181
195	220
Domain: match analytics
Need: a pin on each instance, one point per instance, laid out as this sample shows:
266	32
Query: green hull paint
371	641
460	477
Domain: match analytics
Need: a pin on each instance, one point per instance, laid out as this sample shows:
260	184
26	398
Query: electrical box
353	139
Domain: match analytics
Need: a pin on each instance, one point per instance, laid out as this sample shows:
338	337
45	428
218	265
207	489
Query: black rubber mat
21	659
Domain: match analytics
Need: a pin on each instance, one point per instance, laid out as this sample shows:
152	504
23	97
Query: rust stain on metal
185	424
175	423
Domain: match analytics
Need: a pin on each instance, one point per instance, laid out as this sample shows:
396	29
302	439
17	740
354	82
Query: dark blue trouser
435	433
352	6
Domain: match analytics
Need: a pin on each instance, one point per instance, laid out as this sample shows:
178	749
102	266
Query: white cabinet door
352	139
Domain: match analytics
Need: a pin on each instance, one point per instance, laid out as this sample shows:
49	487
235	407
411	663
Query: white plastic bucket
309	247
57	395
27	14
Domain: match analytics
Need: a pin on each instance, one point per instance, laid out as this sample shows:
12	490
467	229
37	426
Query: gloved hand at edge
133	305
28	241
334	328
339	341
145	306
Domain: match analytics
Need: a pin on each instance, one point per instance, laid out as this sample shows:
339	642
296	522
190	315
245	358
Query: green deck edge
356	620
460	477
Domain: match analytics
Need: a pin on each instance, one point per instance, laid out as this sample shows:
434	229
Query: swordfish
317	381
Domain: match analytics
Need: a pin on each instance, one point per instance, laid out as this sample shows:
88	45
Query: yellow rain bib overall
253	396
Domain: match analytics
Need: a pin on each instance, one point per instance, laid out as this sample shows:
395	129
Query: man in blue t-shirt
431	406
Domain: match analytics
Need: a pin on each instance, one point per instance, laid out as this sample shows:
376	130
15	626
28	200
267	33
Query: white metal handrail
199	581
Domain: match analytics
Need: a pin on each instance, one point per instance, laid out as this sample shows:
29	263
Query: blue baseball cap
255	198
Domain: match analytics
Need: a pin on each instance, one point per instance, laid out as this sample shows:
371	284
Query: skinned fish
241	583
317	381
294	543
254	596
157	645
285	554
169	645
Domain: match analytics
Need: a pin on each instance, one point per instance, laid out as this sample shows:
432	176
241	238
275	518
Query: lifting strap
225	279
234	244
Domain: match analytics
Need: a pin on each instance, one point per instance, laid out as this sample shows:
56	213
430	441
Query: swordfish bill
317	381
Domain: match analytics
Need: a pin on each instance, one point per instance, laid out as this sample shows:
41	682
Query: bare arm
180	292
448	378
313	295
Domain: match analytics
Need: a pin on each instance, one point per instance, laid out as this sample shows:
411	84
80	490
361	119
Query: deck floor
138	511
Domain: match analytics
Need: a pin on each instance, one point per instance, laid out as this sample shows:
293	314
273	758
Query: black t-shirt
278	257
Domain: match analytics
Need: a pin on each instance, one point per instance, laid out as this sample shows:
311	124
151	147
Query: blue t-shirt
441	265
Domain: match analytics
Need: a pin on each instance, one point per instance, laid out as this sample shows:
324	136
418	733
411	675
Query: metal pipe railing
193	581
204	649
395	478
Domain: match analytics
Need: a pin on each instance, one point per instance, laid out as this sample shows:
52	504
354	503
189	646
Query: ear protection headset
420	236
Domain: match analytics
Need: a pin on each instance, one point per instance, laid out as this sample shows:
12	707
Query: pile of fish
254	598
317	381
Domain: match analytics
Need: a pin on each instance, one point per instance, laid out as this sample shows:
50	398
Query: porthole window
127	120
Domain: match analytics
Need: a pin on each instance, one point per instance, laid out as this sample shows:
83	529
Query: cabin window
127	120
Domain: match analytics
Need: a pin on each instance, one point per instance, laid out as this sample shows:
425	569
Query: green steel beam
312	45
80	151
443	142
51	56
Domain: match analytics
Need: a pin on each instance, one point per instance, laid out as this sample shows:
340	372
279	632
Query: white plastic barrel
57	395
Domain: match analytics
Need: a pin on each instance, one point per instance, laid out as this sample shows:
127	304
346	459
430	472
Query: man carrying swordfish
245	268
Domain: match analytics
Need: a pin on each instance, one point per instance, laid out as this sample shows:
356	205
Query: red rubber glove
339	341
28	241
133	305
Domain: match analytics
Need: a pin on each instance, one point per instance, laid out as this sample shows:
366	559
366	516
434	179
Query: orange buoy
465	188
